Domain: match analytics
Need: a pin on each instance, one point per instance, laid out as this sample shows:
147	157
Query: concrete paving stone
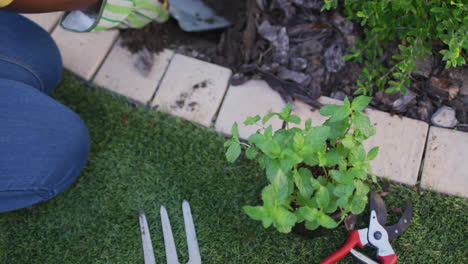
120	73
83	53
401	141
253	98
192	89
445	164
46	20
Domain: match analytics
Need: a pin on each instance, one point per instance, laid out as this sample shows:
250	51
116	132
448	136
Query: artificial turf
140	160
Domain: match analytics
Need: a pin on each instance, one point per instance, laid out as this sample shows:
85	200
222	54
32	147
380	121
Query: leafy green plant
415	23
312	172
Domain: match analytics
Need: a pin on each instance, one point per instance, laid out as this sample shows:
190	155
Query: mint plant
415	24
312	172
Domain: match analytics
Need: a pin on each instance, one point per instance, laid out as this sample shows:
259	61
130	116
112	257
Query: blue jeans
43	145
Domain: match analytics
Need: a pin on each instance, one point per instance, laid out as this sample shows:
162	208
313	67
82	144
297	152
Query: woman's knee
28	53
44	144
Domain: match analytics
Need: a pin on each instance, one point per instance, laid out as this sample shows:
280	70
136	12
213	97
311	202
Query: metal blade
192	243
148	252
378	205
171	252
194	15
363	258
396	230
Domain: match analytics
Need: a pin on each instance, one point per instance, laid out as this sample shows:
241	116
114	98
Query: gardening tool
194	15
171	252
376	235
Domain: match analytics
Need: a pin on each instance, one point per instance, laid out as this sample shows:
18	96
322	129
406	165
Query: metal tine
169	244
146	239
192	242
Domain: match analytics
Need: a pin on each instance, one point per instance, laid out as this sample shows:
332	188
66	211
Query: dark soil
155	37
318	40
231	10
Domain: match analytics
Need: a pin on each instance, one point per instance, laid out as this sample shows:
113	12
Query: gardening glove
116	14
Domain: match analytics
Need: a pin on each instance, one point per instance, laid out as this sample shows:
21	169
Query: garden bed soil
298	50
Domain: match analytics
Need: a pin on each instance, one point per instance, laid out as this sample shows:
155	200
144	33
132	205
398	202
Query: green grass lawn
153	159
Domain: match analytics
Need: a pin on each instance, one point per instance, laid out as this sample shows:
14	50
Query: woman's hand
41	6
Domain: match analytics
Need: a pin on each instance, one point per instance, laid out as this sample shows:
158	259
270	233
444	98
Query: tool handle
353	240
390	259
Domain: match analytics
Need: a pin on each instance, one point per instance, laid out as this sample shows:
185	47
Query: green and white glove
116	14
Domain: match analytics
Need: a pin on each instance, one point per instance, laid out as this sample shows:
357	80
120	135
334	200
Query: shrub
312	172
415	24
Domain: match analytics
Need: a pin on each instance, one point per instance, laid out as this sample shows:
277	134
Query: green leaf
309	214
358	204
327	221
337	112
316	138
294	119
235	131
340	190
311	225
271	148
273	169
284	220
298	141
332	206
286	112
372	153
361	188
342	201
363	124
255	212
288	159
338	128
267	221
360	102
334	157
322	159
268	133
233	152
349	189
348	141
256	138
252	120
267	117
251	153
356	173
302	178
338	176
323	197
357	155
228	143
308	124
310	157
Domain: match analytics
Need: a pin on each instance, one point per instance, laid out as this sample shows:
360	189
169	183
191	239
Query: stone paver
192	89
250	99
401	142
445	164
83	53
119	73
46	20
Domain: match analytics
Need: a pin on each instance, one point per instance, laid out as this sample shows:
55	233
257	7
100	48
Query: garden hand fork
171	252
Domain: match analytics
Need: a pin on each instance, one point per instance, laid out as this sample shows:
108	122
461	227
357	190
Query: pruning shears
377	235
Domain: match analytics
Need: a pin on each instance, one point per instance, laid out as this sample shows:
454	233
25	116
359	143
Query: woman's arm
40	6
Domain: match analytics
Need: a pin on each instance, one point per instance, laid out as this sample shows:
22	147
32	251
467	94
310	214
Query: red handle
351	242
390	259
